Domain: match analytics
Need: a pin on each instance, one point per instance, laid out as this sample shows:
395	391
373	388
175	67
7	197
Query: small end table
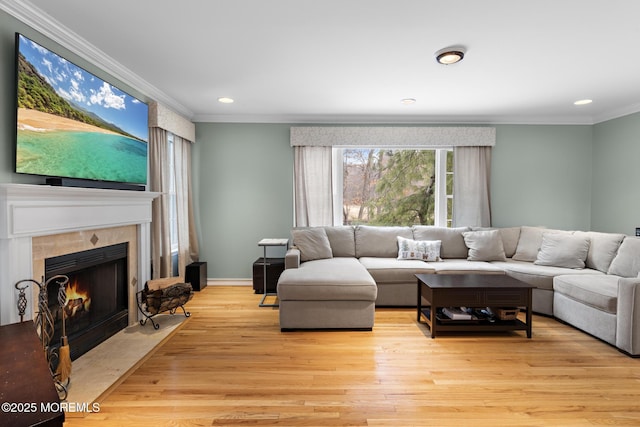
265	243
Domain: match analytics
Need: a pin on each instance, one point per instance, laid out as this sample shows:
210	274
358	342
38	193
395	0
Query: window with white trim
173	207
393	186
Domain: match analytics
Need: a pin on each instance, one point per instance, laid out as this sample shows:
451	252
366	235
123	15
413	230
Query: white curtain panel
182	155
471	195
159	182
313	184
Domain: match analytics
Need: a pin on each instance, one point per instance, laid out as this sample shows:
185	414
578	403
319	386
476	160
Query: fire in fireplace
96	305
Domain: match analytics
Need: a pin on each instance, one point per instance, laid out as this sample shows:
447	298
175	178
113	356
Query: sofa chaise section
327	294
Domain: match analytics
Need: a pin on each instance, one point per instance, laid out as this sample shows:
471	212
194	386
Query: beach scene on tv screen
74	124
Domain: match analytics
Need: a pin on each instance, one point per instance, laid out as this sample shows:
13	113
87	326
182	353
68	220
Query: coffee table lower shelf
481	325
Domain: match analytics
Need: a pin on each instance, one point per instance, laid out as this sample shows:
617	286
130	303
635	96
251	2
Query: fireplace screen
96	304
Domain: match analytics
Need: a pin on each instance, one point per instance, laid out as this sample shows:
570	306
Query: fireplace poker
64	361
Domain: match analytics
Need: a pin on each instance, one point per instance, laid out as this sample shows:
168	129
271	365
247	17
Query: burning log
74	306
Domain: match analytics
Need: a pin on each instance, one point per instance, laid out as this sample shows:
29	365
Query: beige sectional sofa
335	276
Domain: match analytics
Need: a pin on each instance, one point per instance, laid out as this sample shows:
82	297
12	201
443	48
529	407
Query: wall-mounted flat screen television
72	124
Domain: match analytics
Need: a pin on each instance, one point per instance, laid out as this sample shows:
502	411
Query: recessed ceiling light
408	101
449	55
583	102
225	100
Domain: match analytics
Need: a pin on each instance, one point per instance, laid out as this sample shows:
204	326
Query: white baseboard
229	282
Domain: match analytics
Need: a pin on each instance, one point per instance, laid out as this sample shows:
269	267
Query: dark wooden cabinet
27	392
275	266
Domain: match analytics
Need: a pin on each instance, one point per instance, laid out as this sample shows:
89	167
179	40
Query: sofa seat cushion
327	280
392	270
463	266
598	291
540	276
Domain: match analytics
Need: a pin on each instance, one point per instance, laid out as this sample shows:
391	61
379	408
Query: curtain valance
390	136
163	118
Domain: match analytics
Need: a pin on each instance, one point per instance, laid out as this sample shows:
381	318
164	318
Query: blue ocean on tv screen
90	155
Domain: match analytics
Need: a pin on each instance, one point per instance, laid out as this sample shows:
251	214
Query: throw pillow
510	236
528	243
313	243
484	245
602	250
627	261
424	250
563	250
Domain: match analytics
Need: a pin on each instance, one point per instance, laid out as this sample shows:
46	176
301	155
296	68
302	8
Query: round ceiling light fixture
449	55
225	100
583	102
408	101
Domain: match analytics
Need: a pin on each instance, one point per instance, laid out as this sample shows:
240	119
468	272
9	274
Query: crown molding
617	113
34	17
392	119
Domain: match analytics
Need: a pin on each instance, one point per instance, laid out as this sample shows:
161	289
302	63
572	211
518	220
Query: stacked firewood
168	298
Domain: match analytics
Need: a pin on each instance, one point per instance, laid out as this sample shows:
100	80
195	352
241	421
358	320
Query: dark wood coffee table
472	290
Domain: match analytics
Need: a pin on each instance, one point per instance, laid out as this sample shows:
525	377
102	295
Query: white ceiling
339	61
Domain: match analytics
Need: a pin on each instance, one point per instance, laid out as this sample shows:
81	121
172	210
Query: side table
265	243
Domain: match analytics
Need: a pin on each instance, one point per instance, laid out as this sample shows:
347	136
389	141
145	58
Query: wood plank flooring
231	366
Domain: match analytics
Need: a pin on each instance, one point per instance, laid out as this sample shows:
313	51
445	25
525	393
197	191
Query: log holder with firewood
163	295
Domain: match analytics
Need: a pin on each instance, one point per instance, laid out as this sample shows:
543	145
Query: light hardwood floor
230	365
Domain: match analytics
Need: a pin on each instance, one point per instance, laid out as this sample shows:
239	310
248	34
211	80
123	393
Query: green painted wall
244	193
616	176
541	175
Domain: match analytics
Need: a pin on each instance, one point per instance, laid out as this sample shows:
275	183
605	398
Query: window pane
450	161
388	187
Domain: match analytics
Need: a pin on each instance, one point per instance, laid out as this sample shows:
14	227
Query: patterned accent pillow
423	250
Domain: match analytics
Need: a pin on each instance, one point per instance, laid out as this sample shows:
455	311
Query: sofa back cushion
602	250
374	241
342	240
313	243
627	261
452	241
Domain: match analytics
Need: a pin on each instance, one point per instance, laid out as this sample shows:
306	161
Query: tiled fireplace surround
40	221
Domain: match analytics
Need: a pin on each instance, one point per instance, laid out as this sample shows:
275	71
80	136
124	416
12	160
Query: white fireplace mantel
27	211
